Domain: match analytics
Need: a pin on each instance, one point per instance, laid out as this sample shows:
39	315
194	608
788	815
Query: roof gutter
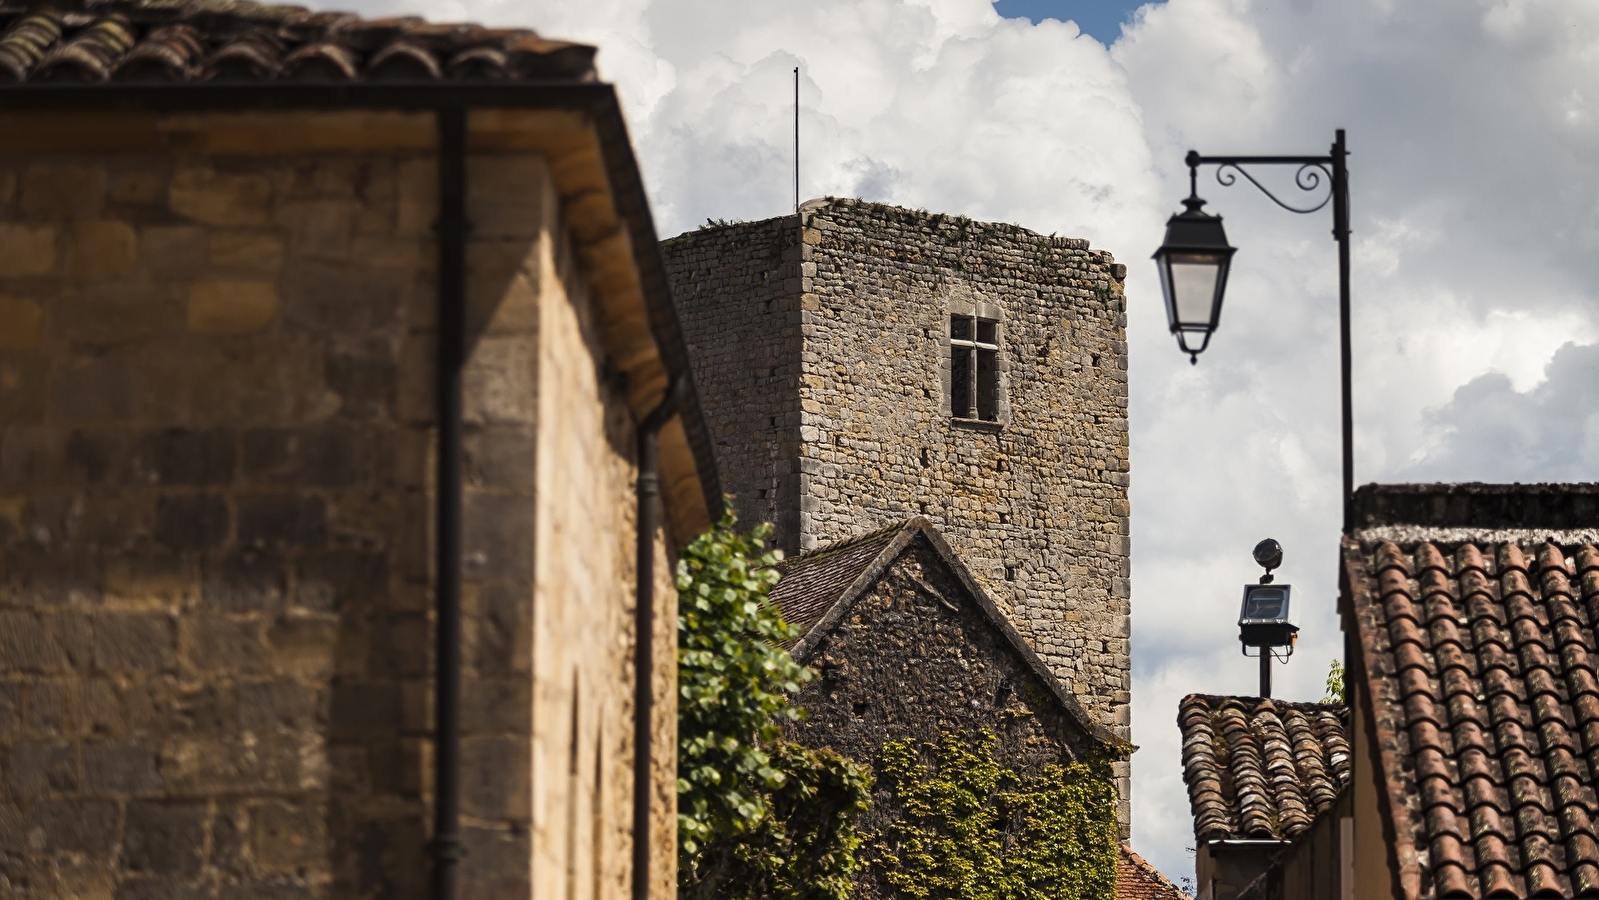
450	102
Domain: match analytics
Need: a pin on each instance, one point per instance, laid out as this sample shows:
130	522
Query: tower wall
836	324
737	290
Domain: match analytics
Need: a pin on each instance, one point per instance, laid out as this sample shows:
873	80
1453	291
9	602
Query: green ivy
974	830
758	816
1335	683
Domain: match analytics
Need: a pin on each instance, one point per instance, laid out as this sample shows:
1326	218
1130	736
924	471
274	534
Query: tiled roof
234	40
1260	768
812	583
1480	659
1138	880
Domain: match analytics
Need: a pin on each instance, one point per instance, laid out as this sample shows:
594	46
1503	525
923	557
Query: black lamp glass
1193	265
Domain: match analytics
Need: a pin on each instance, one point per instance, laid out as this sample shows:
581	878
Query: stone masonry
908	646
915	660
216	456
821	351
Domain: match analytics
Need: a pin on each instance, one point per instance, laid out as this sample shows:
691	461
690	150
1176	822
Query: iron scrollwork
1308	178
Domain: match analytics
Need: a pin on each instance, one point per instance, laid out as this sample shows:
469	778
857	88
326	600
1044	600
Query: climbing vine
1335	683
972	829
758	816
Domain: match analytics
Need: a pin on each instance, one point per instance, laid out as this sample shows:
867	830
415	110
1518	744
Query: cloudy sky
1474	128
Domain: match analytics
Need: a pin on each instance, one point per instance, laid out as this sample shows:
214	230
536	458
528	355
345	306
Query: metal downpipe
452	227
649	493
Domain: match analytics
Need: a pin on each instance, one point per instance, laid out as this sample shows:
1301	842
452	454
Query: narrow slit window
974	368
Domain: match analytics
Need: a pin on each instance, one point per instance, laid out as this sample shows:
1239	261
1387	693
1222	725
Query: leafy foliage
975	830
758	816
1335	683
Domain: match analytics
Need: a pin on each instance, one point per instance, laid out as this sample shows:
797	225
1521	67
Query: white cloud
1474	264
1473	129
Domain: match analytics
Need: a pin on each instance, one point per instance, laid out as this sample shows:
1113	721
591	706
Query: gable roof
232	40
1261	769
819	588
1136	879
1479	660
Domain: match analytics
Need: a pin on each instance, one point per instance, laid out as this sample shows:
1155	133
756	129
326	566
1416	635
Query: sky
1474	132
1101	20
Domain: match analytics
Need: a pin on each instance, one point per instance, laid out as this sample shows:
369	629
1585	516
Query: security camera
1269	554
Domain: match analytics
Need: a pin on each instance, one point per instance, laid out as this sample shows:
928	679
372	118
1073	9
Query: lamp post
1194	260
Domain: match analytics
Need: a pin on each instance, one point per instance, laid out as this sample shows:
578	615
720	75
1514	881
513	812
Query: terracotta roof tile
1480	661
97	41
1260	768
1136	879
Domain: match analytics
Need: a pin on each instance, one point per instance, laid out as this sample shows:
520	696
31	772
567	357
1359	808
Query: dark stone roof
1260	768
812	583
1479	659
91	41
1136	879
819	588
1480	506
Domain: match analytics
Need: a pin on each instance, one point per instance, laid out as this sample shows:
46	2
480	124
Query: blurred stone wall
216	458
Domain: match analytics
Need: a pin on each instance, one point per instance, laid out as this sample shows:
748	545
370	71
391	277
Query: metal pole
1265	671
445	847
1341	233
796	140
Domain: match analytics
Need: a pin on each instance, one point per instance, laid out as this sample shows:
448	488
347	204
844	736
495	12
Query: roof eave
1376	686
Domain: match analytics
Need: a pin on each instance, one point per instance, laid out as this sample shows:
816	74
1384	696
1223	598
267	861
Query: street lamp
1193	265
1194	260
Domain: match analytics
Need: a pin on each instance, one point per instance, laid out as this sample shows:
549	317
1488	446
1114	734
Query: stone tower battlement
860	363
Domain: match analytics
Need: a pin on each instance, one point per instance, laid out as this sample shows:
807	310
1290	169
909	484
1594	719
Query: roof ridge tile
98	41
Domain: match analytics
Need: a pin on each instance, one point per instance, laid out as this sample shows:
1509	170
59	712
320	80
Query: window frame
977	358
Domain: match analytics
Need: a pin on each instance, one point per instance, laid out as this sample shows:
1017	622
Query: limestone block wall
216	439
1035	503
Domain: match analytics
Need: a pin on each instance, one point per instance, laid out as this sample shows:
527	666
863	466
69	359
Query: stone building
236	428
860	364
908	645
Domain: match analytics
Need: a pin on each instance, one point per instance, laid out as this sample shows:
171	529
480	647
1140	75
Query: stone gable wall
1035	504
917	659
216	453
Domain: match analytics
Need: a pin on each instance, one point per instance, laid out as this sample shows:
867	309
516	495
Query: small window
974	368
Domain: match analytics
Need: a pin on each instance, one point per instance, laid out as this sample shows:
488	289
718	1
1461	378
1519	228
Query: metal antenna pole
796	140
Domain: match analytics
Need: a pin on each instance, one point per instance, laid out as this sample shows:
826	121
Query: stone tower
860	364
